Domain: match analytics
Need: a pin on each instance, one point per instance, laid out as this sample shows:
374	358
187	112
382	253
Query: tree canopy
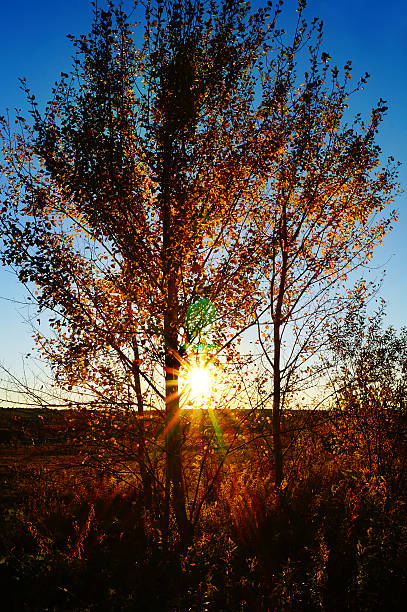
184	158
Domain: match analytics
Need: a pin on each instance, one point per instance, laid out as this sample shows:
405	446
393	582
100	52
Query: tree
325	198
123	158
141	190
368	376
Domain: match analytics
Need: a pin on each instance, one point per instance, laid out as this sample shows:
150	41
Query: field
79	531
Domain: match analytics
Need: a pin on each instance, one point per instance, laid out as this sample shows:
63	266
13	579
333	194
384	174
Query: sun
196	384
199	380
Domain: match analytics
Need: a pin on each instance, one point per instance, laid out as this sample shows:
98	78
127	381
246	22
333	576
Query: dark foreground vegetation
78	533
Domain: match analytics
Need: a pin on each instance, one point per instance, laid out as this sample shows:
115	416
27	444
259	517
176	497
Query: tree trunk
175	491
277	447
171	196
145	475
277	319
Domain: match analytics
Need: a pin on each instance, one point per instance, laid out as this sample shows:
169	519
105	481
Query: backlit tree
189	163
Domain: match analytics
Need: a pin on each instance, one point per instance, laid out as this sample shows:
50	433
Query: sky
373	34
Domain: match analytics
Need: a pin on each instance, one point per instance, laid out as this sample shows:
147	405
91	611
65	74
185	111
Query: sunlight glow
196	384
199	380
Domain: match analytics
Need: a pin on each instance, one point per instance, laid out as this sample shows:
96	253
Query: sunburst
196	384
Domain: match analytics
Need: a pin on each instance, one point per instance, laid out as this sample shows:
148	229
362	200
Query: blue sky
372	34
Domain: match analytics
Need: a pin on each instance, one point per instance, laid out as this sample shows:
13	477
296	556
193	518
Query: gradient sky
372	34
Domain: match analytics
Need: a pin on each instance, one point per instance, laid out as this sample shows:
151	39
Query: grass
78	533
